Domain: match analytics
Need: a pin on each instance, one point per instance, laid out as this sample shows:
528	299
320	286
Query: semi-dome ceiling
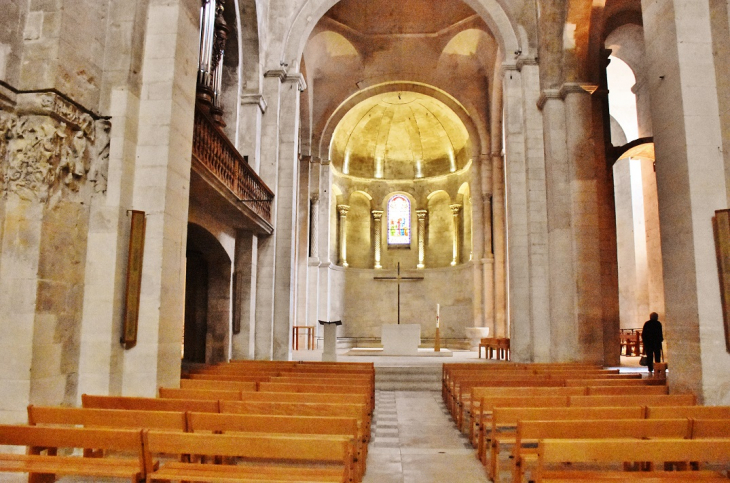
400	135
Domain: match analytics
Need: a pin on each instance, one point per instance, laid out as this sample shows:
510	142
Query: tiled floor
414	440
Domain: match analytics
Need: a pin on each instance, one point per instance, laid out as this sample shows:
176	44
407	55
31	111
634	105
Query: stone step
408	378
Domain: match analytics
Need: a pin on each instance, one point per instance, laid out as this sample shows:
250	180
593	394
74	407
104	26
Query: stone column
455	208
377	236
488	265
287	209
303	241
342	210
421	214
528	260
313	261
161	189
253	108
692	183
326	240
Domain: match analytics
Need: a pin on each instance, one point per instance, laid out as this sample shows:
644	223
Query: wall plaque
721	227
134	280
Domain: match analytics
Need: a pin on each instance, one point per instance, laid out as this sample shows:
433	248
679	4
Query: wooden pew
148	403
531	431
635	400
504	421
710	428
357	411
272	457
254	423
323	388
699	412
487	405
106	418
604	452
59	463
220	385
210	394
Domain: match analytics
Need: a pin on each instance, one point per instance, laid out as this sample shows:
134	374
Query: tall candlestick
437	315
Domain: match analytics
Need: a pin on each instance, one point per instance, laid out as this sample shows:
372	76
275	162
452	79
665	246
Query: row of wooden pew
296	432
591	425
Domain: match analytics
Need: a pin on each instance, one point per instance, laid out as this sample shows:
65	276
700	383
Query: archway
207	299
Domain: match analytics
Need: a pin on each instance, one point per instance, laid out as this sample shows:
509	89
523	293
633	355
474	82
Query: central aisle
415	441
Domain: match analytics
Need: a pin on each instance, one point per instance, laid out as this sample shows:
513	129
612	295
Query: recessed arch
491	11
322	147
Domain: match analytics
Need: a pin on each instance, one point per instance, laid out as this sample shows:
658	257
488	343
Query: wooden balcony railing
216	152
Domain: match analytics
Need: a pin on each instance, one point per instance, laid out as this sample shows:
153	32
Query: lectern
329	353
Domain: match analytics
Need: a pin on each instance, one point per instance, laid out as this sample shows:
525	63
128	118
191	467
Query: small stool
660	370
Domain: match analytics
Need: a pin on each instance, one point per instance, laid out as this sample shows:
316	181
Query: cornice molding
255	99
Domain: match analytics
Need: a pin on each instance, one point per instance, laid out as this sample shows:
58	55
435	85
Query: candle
437	315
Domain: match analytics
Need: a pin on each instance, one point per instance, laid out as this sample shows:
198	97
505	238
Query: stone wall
371	303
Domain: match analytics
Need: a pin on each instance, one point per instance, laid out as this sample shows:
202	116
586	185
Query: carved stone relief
51	149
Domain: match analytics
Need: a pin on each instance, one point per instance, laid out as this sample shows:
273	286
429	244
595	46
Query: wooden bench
106	418
609	453
201	394
254	423
148	403
222	385
504	421
635	400
699	412
710	428
268	457
44	467
529	432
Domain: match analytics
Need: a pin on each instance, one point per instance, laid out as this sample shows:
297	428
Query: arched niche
207	298
359	229
440	238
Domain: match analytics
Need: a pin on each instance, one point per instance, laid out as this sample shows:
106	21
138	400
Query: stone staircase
408	378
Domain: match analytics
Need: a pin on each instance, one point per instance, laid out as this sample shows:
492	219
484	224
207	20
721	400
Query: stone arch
207	298
492	12
477	136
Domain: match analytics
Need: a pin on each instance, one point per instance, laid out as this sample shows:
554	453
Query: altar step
408	378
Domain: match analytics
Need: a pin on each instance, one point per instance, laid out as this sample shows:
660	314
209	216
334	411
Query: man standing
652	337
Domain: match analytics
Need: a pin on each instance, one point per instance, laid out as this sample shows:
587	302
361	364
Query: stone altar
400	339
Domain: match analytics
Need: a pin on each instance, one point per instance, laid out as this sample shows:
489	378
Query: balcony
224	183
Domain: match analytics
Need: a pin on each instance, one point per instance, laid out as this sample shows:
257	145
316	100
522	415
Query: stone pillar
161	189
586	323
313	262
244	295
326	240
455	208
528	261
488	265
303	241
499	236
377	237
342	210
269	173
286	200
253	108
421	214
692	184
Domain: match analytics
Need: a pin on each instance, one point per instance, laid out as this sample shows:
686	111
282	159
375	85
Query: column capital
254	99
377	214
421	214
546	95
343	209
297	78
455	207
315	197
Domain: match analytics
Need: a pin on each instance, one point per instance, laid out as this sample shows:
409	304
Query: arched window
399	221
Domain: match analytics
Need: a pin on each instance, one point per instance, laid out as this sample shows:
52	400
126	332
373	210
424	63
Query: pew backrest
635	400
106	418
148	403
211	394
699	412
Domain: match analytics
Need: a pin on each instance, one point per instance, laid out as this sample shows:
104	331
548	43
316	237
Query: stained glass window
399	221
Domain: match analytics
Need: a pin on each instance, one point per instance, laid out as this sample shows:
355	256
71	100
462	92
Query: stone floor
415	440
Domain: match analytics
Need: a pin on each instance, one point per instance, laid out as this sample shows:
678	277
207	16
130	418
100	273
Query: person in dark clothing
652	337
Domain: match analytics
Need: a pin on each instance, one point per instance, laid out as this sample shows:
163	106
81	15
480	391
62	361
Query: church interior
187	183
